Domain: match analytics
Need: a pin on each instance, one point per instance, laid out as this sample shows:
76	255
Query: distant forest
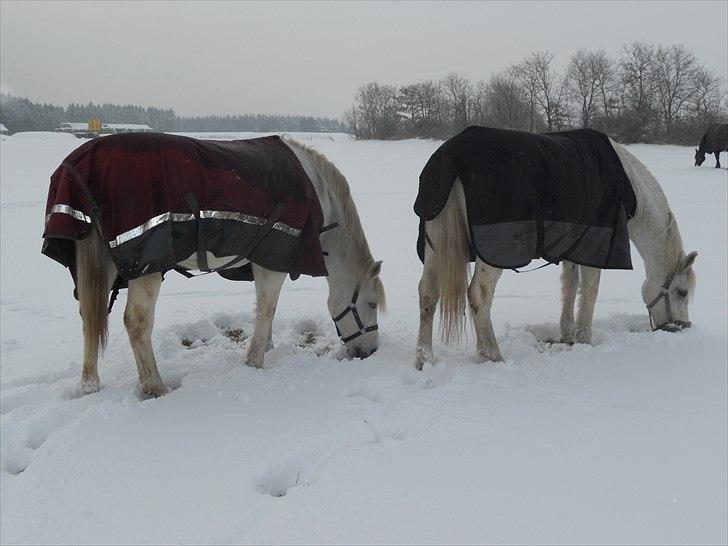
20	114
648	93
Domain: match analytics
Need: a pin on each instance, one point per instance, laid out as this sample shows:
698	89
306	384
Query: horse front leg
569	287
589	289
267	289
717	159
139	321
480	299
429	295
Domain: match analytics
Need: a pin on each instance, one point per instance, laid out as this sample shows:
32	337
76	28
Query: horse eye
682	293
373	305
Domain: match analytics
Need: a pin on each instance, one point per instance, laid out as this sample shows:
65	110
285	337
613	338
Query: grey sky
309	58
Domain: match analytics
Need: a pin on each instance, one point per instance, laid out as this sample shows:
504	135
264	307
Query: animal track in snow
281	478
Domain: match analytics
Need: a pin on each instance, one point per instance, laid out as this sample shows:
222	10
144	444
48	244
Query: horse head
354	304
699	157
667	303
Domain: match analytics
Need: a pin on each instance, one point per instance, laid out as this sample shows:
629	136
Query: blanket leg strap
201	247
115	291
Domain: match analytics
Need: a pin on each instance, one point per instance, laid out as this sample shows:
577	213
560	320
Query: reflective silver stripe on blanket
183	217
65	209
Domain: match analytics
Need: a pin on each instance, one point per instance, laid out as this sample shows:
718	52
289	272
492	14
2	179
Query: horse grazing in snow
714	141
125	209
533	175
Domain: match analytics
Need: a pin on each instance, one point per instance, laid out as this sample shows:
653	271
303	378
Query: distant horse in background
653	229
714	141
172	239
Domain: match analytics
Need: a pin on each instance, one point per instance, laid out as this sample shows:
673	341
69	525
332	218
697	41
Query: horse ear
374	270
688	260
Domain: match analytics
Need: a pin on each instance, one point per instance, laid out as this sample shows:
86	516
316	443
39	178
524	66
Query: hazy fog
309	58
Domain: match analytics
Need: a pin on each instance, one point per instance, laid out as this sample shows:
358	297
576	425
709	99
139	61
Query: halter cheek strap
664	293
351	308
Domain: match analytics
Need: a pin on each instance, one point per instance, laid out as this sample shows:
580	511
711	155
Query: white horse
653	229
355	291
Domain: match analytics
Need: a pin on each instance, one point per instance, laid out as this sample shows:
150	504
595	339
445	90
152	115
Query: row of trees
20	114
649	94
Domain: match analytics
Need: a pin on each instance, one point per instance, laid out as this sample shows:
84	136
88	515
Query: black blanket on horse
160	199
557	196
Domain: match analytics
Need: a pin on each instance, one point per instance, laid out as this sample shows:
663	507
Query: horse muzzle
675	326
361	353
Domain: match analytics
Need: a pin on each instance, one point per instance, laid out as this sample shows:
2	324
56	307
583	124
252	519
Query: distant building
3	129
113	128
72	128
84	130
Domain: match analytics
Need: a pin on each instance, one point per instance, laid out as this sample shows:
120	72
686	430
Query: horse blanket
557	196
160	199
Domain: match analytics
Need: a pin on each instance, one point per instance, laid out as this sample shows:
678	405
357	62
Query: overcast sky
309	58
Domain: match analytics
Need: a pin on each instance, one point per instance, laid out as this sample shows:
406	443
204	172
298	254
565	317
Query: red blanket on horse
160	199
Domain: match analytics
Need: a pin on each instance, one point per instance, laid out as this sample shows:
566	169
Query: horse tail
451	253
92	278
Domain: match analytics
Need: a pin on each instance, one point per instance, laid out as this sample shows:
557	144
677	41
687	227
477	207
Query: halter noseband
351	308
665	293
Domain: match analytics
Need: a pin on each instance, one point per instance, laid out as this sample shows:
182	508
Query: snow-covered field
620	442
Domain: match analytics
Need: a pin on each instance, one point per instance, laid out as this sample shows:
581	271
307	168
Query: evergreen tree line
648	94
20	114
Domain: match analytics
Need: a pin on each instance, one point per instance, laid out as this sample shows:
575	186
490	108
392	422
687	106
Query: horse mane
646	187
337	183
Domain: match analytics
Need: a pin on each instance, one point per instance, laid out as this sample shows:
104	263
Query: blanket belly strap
264	230
261	234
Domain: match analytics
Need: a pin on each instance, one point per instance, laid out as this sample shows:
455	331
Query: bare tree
422	107
506	107
374	114
529	89
459	92
705	102
637	82
605	74
583	83
674	74
478	105
543	87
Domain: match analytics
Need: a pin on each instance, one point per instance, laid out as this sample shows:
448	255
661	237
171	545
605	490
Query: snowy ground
622	442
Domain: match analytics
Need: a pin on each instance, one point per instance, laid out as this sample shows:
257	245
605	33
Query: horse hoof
424	355
256	365
484	357
88	386
155	391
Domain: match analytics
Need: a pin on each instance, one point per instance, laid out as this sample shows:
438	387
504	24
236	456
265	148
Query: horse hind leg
589	289
480	299
429	295
268	286
717	160
569	287
139	321
94	277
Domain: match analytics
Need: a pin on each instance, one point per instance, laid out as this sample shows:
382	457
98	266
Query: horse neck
653	229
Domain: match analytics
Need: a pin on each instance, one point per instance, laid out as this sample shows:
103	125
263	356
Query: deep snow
621	442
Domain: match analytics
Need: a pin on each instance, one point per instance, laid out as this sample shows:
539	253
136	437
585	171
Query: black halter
665	293
351	308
